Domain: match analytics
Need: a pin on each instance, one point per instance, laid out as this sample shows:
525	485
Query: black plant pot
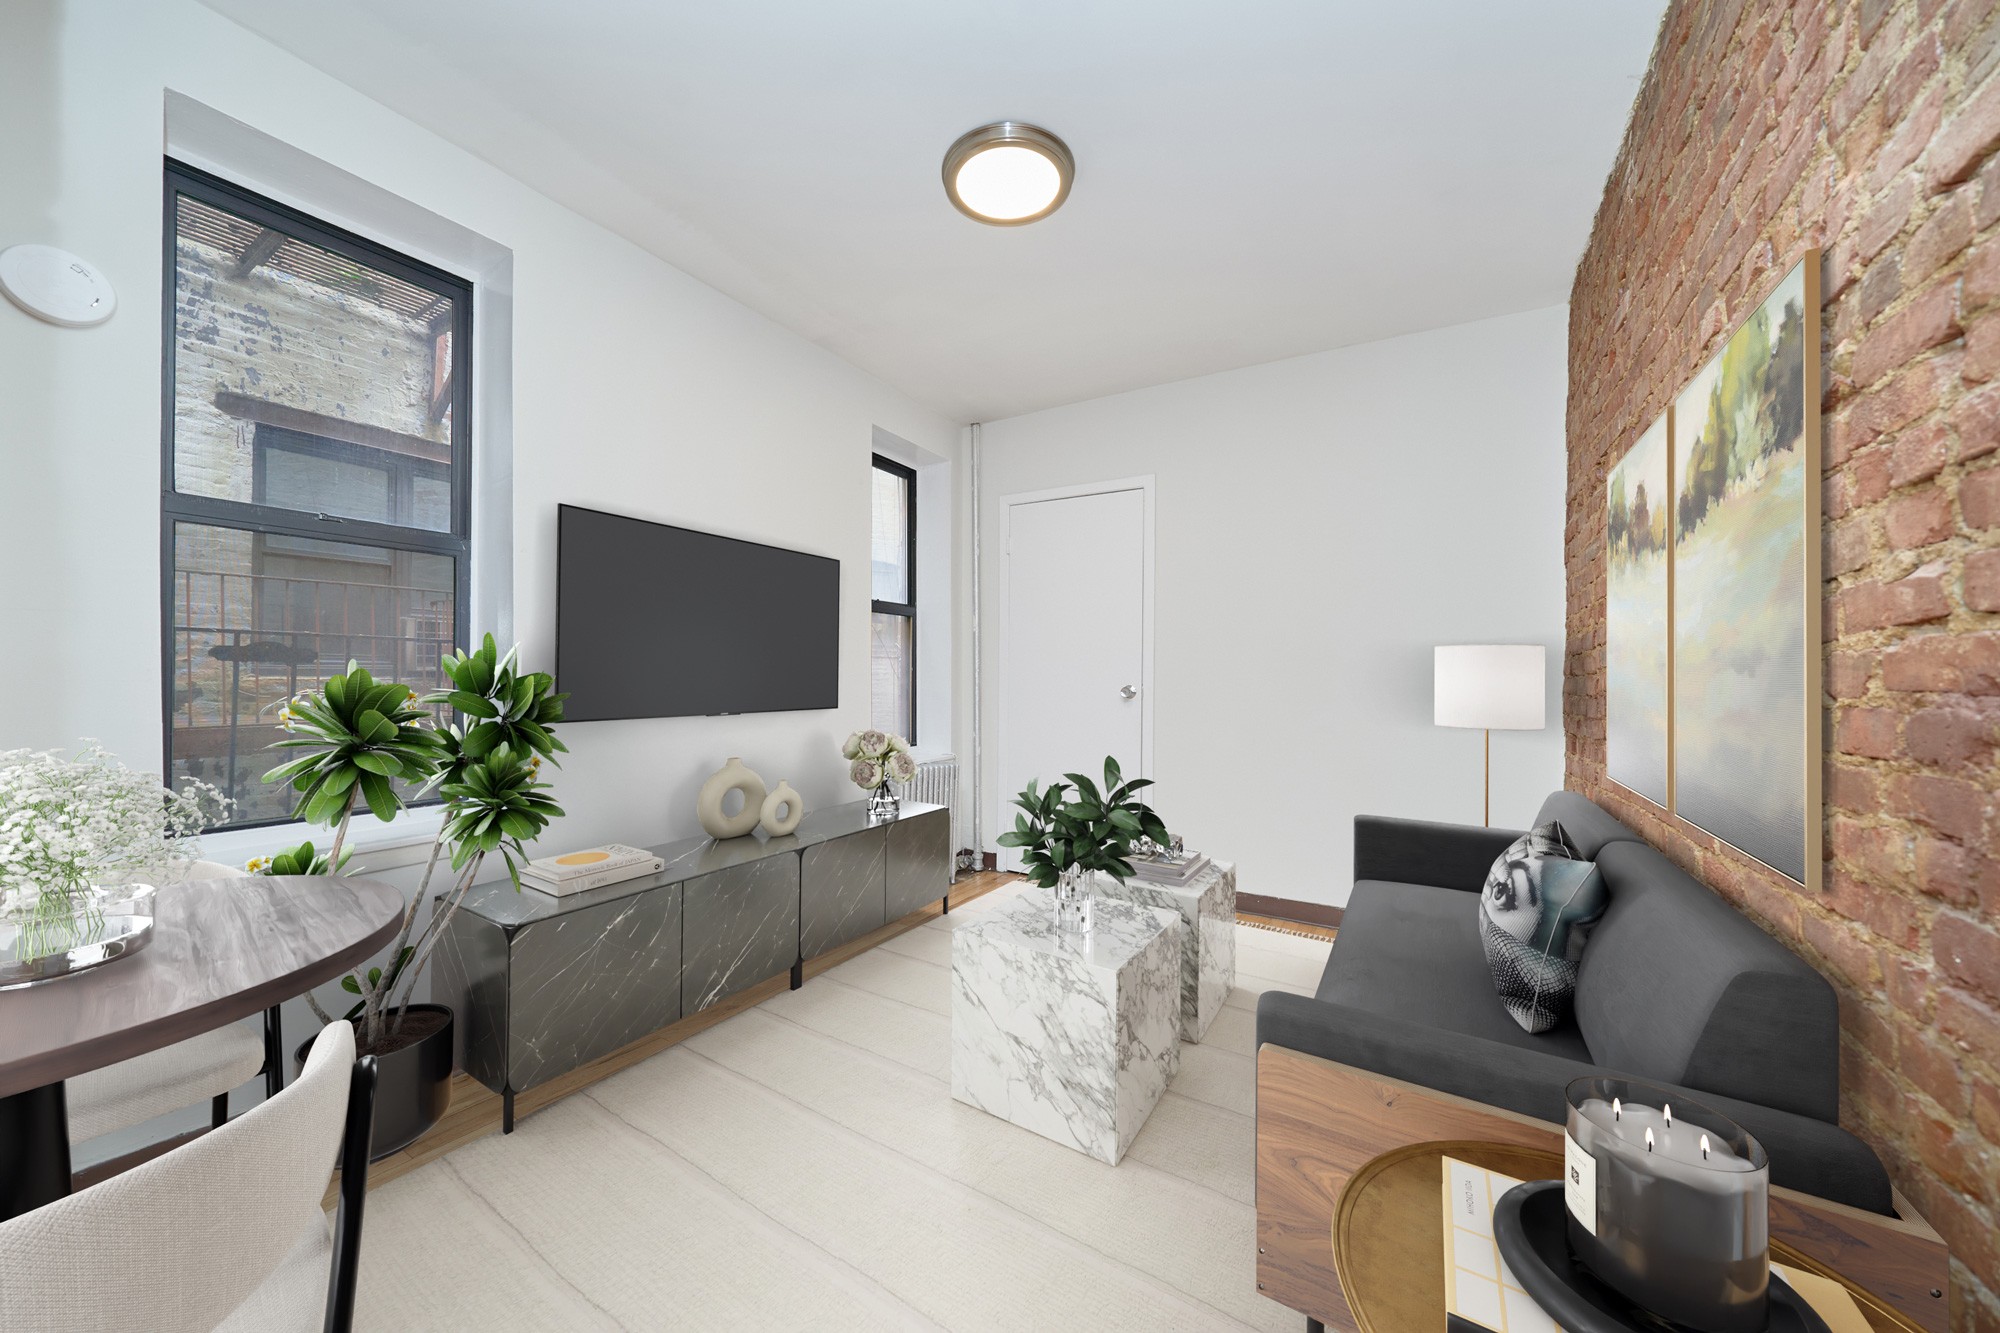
412	1086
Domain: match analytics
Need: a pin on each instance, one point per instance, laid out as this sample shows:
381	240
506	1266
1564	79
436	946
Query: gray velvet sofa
1676	987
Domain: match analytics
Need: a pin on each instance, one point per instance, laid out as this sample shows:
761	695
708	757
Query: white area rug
803	1165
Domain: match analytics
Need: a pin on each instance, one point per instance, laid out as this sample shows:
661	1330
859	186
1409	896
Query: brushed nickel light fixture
1008	173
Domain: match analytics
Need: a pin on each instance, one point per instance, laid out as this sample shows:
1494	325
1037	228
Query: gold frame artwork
1709	377
1615	506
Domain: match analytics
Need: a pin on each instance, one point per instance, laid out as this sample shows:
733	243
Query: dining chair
202	1068
223	1233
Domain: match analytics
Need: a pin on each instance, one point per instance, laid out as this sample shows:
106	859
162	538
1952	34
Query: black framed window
315	488
892	632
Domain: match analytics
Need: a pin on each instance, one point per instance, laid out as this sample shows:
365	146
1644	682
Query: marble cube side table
1207	907
1071	1036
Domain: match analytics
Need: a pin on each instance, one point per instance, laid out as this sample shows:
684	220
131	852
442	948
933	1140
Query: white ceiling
1256	179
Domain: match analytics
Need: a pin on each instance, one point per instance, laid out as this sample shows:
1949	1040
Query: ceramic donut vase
783	798
732	776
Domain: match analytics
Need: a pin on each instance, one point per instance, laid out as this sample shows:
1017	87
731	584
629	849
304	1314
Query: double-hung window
892	632
315	503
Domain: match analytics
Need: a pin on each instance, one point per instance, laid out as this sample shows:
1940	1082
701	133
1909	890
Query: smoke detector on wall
55	285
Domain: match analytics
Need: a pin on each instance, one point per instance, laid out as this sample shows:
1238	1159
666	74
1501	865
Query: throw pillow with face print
1536	895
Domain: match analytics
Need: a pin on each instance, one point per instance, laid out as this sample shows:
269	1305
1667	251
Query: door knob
1127	692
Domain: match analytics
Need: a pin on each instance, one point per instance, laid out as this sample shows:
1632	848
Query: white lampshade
1492	686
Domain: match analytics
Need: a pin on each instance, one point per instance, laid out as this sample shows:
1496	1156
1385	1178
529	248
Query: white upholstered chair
225	1232
202	1068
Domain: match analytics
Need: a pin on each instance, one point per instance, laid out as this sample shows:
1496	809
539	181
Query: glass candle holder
1669	1204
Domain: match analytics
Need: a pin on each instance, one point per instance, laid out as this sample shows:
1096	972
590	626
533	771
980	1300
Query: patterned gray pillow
1536	895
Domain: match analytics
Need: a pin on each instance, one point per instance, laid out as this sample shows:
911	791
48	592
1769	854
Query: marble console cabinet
543	985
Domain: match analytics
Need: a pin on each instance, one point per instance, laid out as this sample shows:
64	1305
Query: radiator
936	783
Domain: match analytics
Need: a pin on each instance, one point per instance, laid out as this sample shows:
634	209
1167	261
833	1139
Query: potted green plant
1065	843
360	736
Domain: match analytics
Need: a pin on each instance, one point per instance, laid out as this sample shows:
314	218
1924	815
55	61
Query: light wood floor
475	1112
797	1161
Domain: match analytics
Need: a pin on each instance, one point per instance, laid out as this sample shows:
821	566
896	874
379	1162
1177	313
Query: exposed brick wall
1868	128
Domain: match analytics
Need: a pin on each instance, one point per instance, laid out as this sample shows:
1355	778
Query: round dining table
222	950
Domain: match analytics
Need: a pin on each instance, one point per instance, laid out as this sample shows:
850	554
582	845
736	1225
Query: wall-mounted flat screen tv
657	621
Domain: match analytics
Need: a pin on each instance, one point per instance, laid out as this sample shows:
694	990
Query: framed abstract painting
1746	585
1638	618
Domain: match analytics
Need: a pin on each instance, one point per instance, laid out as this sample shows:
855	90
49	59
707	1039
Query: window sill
404	841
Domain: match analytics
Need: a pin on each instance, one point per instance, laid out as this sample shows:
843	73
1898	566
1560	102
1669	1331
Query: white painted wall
635	389
1322	523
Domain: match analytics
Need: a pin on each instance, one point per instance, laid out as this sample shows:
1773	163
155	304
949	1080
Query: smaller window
893	626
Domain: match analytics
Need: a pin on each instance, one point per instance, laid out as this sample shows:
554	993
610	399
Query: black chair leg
354	1147
218	1110
274	1053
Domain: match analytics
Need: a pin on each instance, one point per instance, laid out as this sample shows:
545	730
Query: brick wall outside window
1867	128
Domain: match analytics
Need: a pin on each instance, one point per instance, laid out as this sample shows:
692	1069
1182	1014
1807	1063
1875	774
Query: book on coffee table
1168	869
592	868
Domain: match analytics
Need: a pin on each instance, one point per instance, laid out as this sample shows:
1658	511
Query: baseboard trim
1289	909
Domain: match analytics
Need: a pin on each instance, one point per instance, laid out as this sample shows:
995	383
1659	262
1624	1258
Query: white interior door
1074	673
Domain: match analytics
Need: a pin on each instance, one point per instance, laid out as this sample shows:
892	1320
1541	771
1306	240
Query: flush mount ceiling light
1007	173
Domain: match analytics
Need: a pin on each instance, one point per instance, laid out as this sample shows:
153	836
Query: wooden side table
1388	1239
1322	1127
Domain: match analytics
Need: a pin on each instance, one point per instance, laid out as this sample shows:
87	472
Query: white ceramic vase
782	797
732	776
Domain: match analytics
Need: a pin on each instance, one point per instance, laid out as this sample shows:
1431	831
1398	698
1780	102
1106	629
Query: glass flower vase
69	927
1072	893
882	804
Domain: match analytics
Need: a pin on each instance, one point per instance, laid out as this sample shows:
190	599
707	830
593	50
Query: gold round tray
1388	1241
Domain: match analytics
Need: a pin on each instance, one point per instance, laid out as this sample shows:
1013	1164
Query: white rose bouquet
69	826
877	758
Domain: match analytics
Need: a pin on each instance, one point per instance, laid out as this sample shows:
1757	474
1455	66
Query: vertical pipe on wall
978	779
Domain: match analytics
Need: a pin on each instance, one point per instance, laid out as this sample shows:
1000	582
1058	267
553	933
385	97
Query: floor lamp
1494	687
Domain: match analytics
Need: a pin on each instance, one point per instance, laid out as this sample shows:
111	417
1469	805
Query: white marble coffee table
1071	1036
1207	907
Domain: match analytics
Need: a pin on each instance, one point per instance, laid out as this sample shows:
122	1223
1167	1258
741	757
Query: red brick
1870	732
1919	455
1952	806
1982	352
1946	663
1925	322
1846	548
1885	221
1982	276
1979	497
1972	1026
1845	951
1853	788
1940	240
1919	520
1949	872
1982	581
1976	422
1935	1070
1967	137
1948	737
1968	952
1882	854
1847	674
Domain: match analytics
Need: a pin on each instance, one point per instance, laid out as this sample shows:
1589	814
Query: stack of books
593	868
1168	869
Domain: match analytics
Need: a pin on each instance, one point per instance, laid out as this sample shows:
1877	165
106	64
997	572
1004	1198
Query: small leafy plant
303	859
1093	832
362	733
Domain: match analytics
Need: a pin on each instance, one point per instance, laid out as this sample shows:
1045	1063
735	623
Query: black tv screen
655	621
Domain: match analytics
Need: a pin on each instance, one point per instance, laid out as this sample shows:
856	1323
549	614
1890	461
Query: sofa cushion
1589	825
1535	894
1678	987
1413	951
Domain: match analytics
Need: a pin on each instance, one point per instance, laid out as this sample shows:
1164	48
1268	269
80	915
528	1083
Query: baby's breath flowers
68	823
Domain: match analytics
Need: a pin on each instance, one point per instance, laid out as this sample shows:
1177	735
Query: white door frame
1003	800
